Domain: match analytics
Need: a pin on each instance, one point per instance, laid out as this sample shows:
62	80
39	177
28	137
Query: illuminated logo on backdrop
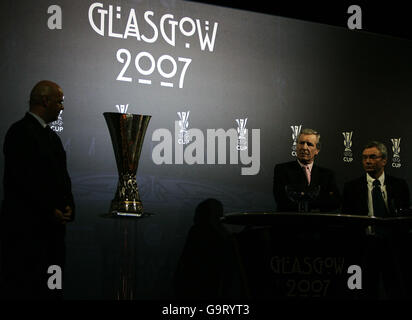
396	148
295	134
122	108
242	134
347	142
183	137
57	125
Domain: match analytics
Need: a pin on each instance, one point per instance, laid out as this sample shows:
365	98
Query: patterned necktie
307	173
379	207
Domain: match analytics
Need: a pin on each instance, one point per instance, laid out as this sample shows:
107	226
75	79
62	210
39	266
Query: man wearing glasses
376	193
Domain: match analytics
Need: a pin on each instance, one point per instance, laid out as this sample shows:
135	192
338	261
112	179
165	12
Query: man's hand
63	217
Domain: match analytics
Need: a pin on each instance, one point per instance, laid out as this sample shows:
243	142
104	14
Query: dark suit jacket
355	195
290	173
36	182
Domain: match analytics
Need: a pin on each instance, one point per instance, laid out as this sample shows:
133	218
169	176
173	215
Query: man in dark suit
305	176
38	201
358	194
386	248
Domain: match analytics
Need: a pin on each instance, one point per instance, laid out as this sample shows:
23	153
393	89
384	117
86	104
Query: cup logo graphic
347	142
122	108
295	134
57	125
396	148
242	134
183	136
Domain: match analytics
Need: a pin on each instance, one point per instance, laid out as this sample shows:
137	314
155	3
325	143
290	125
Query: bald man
38	200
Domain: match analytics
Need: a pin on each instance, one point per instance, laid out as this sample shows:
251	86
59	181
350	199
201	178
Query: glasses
372	157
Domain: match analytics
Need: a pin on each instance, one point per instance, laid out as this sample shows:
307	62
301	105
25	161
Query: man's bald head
44	88
46	100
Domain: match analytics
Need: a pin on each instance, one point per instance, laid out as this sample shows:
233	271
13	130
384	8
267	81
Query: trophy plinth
127	132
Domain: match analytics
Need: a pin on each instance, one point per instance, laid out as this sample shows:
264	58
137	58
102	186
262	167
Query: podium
323	255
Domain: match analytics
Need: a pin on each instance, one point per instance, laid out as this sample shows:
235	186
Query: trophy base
127	209
126	215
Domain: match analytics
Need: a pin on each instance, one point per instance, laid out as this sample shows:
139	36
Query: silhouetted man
38	201
207	266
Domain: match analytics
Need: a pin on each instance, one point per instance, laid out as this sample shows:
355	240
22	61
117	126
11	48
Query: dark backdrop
277	72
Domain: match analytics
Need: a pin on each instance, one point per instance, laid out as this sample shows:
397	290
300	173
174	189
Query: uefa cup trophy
127	133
